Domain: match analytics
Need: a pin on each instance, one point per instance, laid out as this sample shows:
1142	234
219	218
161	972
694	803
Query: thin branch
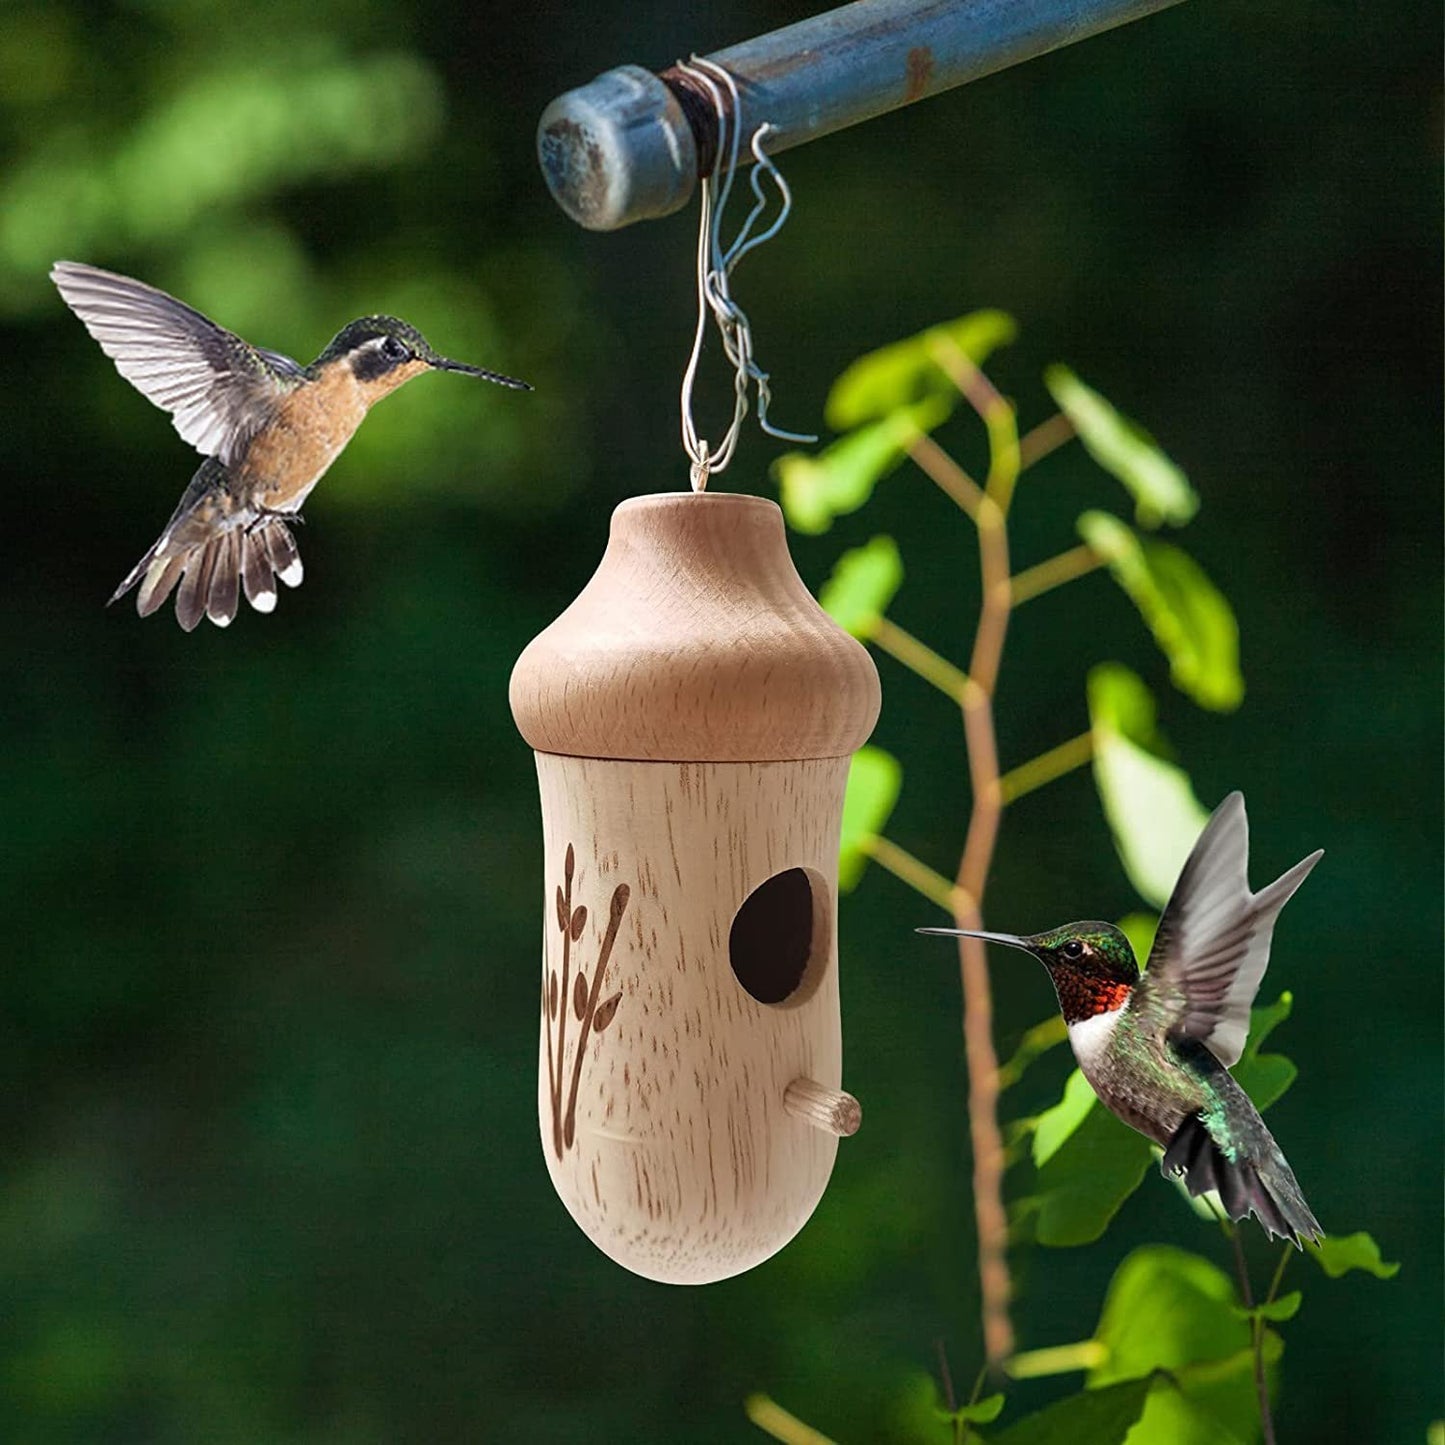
973	1395
950	1400
915	873
1046	437
1047	767
989	1158
964	372
1286	1254
1032	581
920	658
946	474
1261	1385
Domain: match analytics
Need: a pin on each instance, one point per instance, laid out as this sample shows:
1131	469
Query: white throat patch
1090	1037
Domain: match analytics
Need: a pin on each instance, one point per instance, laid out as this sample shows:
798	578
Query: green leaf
907	371
919	1412
981	1412
863	583
1191	620
1264	1077
1160	490
1079	1190
874	779
1286	1307
1265	1019
1340	1253
817	488
1171	1310
1150	803
1092	1417
1139	929
1054	1126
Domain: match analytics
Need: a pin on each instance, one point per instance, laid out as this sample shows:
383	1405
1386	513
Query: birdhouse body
693	714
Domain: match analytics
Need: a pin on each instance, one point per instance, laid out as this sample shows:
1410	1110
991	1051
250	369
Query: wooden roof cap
695	641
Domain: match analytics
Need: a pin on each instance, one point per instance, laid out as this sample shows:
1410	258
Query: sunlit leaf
874	779
981	1412
1264	1019
1286	1307
1054	1126
1160	490
1088	1177
819	486
863	583
1340	1253
1265	1077
1092	1417
1171	1310
907	371
1150	803
1139	929
1190	619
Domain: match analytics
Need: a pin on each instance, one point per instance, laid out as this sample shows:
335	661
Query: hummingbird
1157	1047
267	427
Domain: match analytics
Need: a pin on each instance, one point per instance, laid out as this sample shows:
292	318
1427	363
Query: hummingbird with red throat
1157	1047
267	427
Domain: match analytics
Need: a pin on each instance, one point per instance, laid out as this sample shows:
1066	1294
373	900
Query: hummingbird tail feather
211	574
1260	1183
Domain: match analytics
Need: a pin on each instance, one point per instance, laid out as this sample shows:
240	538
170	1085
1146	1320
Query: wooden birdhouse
693	714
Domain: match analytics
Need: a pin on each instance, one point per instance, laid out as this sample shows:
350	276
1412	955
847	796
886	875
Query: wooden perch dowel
832	1110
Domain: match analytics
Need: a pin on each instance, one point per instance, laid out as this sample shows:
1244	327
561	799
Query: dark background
269	1168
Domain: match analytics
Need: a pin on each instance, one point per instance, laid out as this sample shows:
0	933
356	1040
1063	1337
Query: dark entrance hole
776	934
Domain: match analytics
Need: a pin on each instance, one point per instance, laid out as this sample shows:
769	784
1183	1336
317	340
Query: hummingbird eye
1073	949
393	349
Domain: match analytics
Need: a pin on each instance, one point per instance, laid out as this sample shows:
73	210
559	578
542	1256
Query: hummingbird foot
266	515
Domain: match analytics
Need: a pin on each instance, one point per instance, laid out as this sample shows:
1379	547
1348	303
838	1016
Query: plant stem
950	1400
1046	767
973	1395
946	474
989	1158
920	658
1076	562
914	872
1261	1385
1047	436
1286	1254
781	1424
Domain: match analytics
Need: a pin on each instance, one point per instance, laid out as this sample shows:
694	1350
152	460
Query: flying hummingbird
267	427
1157	1048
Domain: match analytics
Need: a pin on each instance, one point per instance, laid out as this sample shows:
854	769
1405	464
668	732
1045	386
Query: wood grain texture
664	1125
696	640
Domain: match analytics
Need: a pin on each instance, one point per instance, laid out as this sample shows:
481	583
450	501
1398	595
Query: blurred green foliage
267	1020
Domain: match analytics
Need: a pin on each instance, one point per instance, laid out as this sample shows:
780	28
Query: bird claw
266	515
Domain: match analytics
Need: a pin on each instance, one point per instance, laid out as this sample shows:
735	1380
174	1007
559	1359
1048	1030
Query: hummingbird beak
1009	940
445	363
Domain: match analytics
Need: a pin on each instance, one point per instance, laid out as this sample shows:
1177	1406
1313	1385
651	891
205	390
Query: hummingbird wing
1213	942
219	389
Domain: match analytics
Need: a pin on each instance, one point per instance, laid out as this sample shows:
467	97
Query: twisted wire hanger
715	265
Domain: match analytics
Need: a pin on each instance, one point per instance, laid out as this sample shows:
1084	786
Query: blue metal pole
631	144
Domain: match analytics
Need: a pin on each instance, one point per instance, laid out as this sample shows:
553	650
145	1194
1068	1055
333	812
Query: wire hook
715	265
